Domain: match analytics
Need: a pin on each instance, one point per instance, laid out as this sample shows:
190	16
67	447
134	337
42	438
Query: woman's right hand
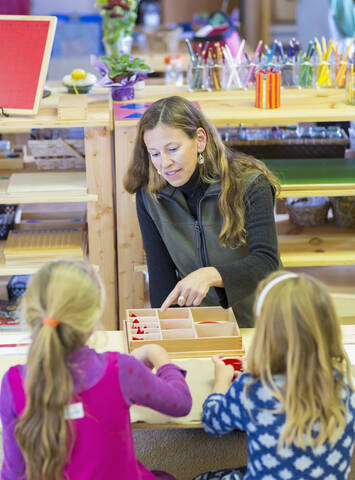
153	356
223	374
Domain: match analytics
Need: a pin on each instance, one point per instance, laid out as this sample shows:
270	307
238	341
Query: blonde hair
297	334
73	294
220	164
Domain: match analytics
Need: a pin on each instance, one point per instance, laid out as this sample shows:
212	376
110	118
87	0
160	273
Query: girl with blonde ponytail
205	213
65	413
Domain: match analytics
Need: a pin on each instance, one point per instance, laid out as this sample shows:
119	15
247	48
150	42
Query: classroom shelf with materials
98	190
324	250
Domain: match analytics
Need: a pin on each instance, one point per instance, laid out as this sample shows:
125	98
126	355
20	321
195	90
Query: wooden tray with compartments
185	332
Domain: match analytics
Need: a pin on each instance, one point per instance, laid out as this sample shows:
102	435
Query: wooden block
53	211
47	182
73	107
185	332
41	245
11	163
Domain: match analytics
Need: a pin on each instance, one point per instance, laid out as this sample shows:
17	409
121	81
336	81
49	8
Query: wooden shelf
41	197
99	113
48	197
315	177
237	106
340	281
97	126
315	246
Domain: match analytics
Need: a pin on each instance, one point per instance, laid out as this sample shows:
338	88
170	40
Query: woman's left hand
192	289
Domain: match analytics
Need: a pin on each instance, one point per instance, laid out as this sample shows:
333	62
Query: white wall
45	7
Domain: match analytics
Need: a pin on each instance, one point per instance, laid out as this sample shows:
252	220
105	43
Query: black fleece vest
193	243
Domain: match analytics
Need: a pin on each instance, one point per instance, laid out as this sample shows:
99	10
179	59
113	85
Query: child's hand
153	356
223	374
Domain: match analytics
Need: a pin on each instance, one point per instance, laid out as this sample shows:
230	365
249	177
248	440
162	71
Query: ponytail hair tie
52	322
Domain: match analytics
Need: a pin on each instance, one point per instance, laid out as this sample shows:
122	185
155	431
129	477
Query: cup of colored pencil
268	88
350	87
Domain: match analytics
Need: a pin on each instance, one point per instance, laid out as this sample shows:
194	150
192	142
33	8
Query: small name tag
74	411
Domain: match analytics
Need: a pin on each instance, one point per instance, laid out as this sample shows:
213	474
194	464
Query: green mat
310	171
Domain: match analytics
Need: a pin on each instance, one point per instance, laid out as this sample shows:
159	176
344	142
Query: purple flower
99	65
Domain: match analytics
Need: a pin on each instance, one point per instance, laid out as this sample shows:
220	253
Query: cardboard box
185	332
284	10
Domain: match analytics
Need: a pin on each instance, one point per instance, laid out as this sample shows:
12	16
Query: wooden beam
101	218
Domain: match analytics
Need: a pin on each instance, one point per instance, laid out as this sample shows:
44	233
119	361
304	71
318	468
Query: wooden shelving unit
99	174
234	108
52	197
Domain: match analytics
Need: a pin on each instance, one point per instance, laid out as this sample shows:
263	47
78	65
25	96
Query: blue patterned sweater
224	413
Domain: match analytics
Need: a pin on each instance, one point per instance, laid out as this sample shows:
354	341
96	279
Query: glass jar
334	132
289	75
318	132
252	134
350	88
236	75
150	11
306	76
290	132
174	73
196	77
325	74
340	71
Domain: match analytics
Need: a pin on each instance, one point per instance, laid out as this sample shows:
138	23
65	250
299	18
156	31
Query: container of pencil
215	76
307	77
325	74
289	74
350	87
267	88
196	76
341	70
236	76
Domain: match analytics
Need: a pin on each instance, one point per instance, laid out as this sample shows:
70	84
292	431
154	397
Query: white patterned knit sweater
224	413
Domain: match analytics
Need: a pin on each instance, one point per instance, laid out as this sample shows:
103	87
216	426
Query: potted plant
118	21
120	72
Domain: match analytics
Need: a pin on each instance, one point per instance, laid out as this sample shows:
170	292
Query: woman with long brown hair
206	214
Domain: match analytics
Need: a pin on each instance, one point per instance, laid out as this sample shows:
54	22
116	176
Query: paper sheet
350	350
16	344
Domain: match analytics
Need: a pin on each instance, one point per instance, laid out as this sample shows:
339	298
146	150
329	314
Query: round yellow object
78	74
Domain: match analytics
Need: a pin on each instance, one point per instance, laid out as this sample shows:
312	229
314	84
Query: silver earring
158	172
201	160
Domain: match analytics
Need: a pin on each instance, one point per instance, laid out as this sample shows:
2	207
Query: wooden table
200	386
222	107
200	376
99	174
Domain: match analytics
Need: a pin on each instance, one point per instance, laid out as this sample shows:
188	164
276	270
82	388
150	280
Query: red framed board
25	47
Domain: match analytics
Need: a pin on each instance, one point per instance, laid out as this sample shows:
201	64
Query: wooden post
129	241
101	219
265	18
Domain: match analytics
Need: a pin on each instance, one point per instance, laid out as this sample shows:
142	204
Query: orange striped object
267	88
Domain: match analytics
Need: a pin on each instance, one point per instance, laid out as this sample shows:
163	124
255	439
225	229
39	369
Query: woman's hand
223	374
192	289
153	356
